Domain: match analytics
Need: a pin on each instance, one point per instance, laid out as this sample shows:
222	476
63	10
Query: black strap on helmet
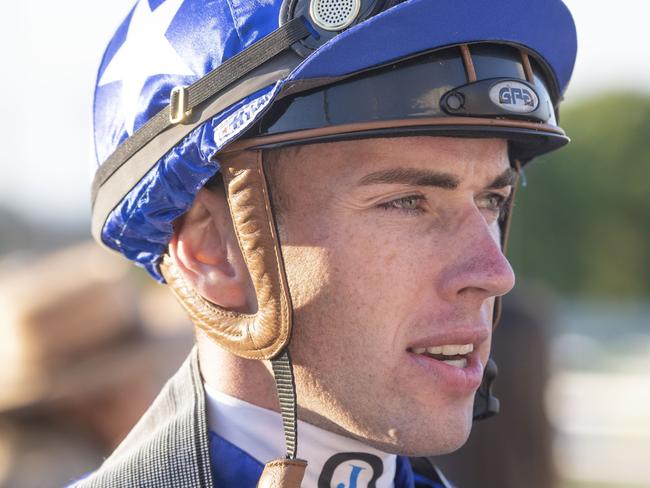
185	99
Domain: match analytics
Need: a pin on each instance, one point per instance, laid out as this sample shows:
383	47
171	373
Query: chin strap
289	471
286	388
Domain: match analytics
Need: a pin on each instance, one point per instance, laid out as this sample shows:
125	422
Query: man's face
392	246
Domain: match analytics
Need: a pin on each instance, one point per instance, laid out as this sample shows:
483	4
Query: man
325	185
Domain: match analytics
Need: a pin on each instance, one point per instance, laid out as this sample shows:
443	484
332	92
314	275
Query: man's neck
333	460
246	379
243	409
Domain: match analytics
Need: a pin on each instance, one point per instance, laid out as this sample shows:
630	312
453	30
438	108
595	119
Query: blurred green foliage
582	223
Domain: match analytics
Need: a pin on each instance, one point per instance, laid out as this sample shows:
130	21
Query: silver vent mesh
334	15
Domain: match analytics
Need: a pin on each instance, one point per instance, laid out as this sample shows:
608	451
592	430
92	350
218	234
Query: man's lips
452	358
474	336
451	379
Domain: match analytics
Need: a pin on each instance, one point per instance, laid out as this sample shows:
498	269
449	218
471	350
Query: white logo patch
241	119
514	97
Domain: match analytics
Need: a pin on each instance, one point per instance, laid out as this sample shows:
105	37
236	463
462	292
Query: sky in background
51	51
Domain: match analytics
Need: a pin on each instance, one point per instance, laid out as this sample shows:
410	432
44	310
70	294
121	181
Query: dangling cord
286	388
506	228
486	404
505	232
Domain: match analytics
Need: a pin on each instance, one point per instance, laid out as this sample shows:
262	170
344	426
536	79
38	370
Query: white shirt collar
259	432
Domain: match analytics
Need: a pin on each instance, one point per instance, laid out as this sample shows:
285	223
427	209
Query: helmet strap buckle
178	105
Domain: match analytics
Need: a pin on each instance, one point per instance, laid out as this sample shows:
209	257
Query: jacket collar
169	445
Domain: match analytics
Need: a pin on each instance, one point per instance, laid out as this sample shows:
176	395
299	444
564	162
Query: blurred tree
582	224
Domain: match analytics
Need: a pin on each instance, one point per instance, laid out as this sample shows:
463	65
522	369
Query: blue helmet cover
168	43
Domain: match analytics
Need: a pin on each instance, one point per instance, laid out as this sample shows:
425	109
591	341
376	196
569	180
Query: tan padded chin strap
264	334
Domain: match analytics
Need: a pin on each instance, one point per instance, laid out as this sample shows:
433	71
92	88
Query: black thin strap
286	388
203	89
487	405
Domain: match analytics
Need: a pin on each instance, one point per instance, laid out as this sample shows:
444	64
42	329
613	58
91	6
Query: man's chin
427	430
427	439
437	447
434	437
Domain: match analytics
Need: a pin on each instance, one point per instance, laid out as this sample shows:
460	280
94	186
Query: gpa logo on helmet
514	97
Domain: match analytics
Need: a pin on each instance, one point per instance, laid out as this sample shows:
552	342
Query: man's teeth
458	363
452	350
448	350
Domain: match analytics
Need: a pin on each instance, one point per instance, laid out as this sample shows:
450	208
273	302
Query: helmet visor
480	90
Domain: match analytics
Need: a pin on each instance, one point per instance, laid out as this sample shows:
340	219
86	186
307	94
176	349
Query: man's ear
205	249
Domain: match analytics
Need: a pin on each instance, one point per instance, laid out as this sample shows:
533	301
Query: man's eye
495	202
408	204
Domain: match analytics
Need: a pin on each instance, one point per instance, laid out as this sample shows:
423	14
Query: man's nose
478	269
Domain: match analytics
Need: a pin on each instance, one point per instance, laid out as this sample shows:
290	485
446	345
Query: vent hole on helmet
334	15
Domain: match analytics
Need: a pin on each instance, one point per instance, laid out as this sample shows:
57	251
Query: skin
382	254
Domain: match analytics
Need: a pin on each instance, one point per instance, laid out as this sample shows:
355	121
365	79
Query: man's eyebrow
411	176
507	178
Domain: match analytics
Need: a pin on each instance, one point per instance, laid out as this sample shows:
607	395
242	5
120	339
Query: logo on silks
351	470
514	96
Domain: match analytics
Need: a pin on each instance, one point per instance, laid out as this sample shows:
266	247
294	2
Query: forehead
466	158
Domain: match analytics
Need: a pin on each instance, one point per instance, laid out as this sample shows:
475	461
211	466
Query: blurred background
86	340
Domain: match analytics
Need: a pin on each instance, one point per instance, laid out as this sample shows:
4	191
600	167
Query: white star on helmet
146	52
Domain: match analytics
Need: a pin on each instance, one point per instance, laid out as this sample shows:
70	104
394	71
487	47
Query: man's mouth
455	355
